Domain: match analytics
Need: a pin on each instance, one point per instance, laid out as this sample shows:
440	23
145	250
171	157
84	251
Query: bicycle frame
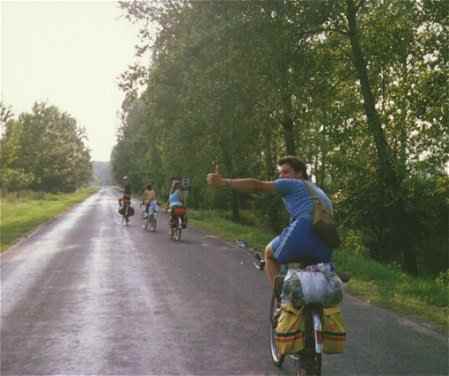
151	221
176	228
125	204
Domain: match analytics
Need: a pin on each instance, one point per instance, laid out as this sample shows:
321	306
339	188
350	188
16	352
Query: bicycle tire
147	224
153	223
276	357
178	232
309	362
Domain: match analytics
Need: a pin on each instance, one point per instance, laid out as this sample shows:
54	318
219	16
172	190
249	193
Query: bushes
15	179
390	229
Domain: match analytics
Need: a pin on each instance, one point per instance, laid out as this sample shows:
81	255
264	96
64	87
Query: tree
47	150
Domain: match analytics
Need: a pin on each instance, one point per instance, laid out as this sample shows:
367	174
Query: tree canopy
44	150
358	89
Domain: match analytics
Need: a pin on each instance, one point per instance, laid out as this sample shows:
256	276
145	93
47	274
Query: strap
331	310
314	196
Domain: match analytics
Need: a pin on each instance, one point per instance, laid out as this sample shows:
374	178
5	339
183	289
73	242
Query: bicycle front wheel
276	356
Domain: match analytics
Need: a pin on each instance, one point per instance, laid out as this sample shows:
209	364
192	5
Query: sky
68	54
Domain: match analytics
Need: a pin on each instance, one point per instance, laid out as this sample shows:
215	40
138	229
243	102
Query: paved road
87	295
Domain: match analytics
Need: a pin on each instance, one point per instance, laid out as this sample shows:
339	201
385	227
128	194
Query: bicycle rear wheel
147	223
309	362
178	232
153	223
277	357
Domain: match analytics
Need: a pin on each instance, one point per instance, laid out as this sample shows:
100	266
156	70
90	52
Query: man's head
149	187
176	184
291	167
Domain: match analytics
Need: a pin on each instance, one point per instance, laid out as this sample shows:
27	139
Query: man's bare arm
215	179
250	185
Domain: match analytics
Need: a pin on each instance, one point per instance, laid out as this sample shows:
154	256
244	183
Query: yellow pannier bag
333	330
289	331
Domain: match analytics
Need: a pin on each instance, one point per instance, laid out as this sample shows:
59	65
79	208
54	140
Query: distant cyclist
126	193
298	242
176	200
125	207
149	198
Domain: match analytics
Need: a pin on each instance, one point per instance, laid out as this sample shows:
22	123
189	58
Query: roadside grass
215	222
20	214
420	298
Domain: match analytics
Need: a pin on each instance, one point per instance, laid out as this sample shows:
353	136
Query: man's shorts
298	242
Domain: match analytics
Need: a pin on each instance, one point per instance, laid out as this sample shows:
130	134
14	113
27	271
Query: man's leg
272	268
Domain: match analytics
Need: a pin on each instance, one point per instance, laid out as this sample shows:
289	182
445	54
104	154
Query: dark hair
296	164
149	186
175	185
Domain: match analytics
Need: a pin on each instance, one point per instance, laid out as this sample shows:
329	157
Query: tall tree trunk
235	197
385	165
289	135
283	58
287	123
270	205
268	157
384	155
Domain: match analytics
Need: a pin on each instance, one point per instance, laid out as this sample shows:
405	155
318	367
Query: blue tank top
175	199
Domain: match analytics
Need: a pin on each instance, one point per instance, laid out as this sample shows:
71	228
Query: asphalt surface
86	295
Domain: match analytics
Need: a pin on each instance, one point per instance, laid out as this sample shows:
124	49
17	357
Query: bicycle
307	361
176	223
151	218
125	210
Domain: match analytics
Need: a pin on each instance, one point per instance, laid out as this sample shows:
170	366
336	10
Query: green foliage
44	150
356	89
15	179
353	243
443	279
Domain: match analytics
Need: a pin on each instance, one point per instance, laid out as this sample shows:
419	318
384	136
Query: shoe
260	262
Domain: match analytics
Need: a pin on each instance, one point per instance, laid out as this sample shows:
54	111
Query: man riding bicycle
124	202
297	242
126	192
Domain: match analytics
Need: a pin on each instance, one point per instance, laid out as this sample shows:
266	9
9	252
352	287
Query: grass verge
386	286
20	215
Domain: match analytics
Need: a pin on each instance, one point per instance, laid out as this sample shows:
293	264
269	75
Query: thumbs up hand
214	179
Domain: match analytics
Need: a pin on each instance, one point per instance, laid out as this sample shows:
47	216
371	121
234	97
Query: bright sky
68	54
